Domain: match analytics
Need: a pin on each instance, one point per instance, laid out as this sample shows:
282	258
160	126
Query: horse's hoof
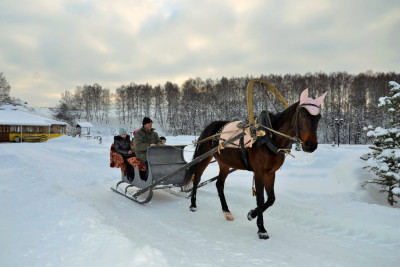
250	216
263	235
228	216
193	209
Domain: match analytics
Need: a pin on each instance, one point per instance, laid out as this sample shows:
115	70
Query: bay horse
299	120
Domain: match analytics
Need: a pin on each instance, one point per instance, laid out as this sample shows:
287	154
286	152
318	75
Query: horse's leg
269	188
268	184
262	233
223	173
201	166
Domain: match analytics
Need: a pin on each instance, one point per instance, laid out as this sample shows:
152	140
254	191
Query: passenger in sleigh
145	137
122	156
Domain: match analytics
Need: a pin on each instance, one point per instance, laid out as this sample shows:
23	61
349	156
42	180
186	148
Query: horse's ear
320	99
304	96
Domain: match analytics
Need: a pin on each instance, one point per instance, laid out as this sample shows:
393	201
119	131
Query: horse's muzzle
309	146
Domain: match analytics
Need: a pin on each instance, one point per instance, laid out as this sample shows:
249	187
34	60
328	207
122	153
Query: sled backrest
163	160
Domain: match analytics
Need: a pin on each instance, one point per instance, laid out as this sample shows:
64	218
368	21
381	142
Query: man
145	137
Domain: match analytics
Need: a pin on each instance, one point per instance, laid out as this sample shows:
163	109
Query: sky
49	47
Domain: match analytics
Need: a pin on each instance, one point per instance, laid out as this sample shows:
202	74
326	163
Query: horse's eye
303	114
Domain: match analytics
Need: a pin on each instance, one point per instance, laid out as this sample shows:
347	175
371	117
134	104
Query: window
15	129
27	129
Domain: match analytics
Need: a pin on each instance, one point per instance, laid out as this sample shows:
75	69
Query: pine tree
384	160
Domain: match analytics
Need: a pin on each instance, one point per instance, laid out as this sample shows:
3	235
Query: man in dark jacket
145	137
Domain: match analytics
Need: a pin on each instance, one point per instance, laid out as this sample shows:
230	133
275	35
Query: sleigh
162	160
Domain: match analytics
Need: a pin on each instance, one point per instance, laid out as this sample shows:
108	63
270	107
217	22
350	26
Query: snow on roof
11	116
85	124
8	107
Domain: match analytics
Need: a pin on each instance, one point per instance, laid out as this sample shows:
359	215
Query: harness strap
257	134
213	136
293	139
244	155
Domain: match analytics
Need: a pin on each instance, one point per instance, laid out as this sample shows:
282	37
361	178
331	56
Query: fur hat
146	120
122	131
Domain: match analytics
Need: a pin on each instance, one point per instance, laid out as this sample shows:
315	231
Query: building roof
9	115
84	124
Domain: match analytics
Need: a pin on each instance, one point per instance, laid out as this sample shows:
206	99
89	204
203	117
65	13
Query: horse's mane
284	115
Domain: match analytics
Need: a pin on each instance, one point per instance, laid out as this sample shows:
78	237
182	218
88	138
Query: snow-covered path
57	209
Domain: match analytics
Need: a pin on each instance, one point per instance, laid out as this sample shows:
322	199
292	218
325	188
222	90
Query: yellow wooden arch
250	86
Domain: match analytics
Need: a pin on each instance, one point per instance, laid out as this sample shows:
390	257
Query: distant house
83	127
18	126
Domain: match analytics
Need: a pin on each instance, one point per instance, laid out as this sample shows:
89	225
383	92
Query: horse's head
308	115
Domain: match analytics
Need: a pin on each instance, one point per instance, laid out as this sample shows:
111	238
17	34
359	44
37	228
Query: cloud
52	46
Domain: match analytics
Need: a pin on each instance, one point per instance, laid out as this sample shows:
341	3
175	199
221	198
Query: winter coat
122	145
143	139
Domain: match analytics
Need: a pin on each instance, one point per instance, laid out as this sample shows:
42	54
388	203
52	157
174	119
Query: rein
292	139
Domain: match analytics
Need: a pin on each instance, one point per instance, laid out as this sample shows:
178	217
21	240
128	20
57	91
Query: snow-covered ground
57	209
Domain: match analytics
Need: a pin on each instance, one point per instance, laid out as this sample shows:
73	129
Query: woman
122	145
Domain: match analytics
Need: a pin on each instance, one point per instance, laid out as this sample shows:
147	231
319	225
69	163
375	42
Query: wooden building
19	126
83	127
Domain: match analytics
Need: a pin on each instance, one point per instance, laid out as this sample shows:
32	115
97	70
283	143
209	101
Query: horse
299	120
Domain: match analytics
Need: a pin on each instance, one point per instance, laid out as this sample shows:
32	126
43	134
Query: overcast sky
50	46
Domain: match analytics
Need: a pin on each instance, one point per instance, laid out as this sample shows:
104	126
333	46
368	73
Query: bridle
295	127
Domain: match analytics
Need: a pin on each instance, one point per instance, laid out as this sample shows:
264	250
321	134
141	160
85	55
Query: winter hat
122	131
135	131
146	120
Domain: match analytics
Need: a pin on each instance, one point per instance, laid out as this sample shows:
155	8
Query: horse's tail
192	172
203	145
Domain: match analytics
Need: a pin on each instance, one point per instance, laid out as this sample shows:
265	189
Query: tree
172	95
4	89
384	160
159	106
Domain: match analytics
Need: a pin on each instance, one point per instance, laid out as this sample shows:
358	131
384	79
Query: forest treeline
351	103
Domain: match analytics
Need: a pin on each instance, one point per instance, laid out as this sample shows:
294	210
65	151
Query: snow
85	124
57	209
384	101
379	131
395	85
10	115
